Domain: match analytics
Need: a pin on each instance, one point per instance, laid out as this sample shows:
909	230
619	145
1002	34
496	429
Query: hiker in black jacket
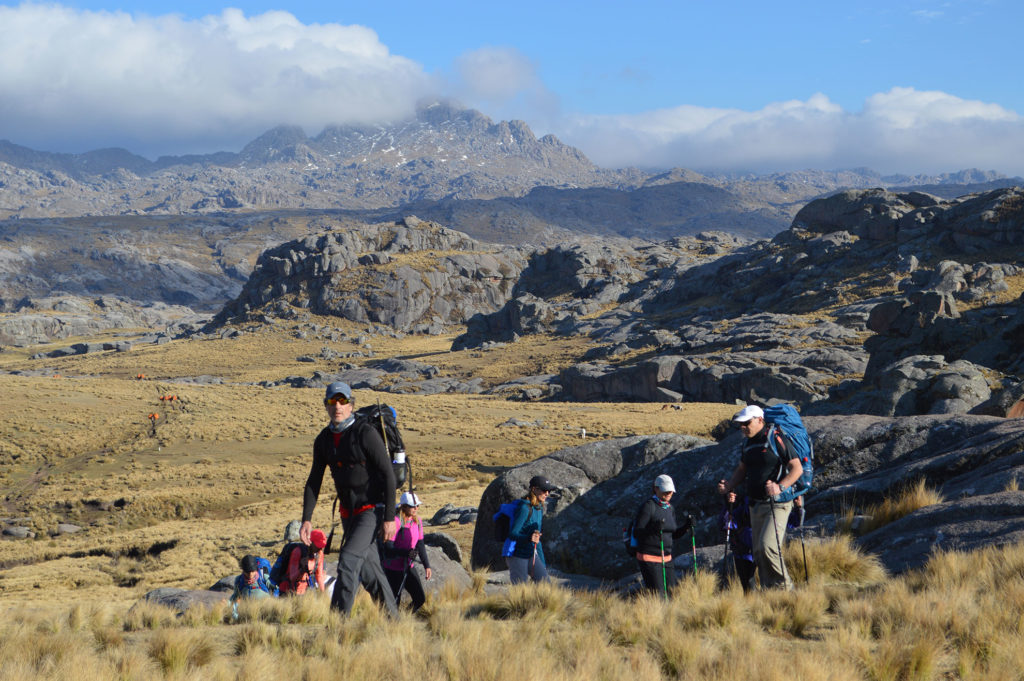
759	467
365	482
654	529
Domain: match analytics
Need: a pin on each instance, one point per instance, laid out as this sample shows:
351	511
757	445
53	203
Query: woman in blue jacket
527	559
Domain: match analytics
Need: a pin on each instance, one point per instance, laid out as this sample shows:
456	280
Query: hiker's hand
731	497
536	537
772	488
427	571
387	530
721	487
687	523
305	530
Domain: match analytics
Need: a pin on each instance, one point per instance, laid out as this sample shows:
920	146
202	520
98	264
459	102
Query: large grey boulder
183	599
606	473
966	524
859	459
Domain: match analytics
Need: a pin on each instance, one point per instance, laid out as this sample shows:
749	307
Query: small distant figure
399	554
254	582
583	433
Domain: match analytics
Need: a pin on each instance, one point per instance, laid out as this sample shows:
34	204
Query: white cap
663	483
409	499
749	412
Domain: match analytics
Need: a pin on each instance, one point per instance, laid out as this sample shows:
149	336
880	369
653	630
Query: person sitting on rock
254	582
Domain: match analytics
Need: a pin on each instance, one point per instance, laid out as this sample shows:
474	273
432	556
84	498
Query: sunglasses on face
337	399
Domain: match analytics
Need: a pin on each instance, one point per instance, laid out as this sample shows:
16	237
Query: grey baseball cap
338	388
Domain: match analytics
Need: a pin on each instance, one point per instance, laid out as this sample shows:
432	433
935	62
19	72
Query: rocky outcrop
858	459
414	276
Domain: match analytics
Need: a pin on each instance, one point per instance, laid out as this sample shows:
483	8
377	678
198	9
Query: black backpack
279	571
384	419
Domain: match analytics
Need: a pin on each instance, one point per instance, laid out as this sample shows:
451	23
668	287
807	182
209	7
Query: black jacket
655	524
762	463
360	466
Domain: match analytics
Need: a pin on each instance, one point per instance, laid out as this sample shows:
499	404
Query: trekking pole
664	579
693	540
778	542
533	561
725	556
807	574
401	585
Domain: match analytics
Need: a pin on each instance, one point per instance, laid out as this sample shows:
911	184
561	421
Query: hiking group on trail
380	546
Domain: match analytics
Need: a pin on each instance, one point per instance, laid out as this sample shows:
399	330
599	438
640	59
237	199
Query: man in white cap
365	482
653	530
760	468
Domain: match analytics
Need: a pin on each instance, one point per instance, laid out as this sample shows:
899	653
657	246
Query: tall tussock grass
961	616
909	499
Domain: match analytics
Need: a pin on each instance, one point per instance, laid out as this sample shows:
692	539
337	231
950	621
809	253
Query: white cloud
505	83
158	84
902	130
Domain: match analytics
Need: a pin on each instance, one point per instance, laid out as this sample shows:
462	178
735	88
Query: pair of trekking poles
664	571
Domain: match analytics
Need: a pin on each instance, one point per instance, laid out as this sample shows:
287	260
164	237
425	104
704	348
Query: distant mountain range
494	181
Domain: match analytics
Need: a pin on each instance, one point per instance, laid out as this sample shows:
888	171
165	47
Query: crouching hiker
758	467
654	528
399	554
254	582
305	569
365	482
527	559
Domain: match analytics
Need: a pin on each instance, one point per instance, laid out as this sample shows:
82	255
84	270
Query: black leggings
413	586
653	573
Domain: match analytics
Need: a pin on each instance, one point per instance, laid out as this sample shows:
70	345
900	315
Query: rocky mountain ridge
494	181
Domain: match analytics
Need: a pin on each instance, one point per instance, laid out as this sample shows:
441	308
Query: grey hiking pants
765	520
359	562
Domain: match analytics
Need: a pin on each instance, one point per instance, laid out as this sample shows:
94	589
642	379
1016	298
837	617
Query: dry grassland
958	618
222	471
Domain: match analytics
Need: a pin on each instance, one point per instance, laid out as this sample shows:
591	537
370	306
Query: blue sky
901	86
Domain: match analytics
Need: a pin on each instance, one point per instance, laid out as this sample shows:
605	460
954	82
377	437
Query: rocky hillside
874	301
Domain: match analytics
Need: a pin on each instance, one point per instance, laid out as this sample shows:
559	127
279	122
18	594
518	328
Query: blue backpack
503	523
785	419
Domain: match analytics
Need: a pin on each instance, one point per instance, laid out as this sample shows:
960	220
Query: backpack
503	523
784	418
384	419
279	572
628	540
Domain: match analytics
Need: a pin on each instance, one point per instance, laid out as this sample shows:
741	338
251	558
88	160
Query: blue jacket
527	520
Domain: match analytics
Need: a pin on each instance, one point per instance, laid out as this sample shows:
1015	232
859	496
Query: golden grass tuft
832	559
914	496
179	650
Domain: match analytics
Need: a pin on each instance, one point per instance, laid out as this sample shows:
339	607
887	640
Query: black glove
687	525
